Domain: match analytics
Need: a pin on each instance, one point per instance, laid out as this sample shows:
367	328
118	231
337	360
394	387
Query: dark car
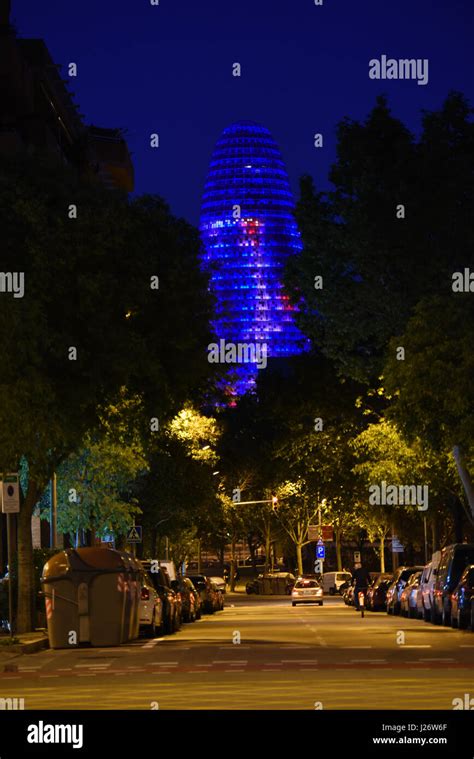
171	605
348	595
394	591
462	606
454	560
408	596
190	601
376	597
208	592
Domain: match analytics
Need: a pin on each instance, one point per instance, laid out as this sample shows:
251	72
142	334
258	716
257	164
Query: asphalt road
288	658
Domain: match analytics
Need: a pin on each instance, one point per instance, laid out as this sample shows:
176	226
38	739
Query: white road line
427	645
92	666
299	661
64	669
438	658
354	647
354	661
463	645
83	674
164	663
230	661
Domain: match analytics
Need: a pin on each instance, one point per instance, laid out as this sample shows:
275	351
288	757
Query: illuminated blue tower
248	230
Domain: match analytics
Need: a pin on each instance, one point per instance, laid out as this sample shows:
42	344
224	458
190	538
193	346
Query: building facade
249	231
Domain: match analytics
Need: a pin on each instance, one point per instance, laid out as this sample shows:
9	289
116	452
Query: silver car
307	592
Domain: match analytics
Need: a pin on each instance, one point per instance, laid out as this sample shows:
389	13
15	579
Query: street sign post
10	496
356	557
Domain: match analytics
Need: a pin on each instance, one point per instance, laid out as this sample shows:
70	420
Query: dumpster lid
89	560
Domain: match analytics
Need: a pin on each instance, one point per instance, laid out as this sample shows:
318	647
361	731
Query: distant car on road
306	591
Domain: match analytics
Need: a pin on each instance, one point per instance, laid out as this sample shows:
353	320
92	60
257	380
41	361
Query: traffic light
274	501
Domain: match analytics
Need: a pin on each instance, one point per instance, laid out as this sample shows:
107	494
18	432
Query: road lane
287	658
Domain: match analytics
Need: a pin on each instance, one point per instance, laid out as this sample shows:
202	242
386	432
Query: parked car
219	595
151	607
454	560
375	598
208	592
190	600
162	583
349	595
394	591
307	591
424	597
332	581
462	605
220	582
408	596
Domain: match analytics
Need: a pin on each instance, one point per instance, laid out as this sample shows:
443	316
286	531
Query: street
305	657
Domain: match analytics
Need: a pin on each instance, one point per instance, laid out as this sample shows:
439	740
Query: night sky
168	69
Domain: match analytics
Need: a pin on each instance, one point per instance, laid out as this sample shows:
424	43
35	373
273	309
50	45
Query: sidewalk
29	643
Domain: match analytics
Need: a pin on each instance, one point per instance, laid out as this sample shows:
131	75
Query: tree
90	321
297	509
388	234
432	387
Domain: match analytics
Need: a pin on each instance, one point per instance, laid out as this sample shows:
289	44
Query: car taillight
145	594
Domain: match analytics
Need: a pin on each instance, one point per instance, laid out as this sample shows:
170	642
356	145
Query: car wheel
461	621
331	591
445	618
320	603
293	603
454	621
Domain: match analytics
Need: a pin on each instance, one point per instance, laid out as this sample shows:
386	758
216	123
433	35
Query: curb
29	647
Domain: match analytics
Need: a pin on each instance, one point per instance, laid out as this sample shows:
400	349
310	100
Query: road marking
230	661
299	661
427	645
93	666
83	674
464	645
49	675
65	669
152	643
436	658
164	663
368	660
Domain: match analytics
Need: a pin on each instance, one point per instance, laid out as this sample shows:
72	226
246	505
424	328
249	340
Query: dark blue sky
168	69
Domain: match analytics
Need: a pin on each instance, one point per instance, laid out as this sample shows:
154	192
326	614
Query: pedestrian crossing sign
135	534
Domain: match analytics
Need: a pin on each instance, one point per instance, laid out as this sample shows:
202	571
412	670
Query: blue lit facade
248	230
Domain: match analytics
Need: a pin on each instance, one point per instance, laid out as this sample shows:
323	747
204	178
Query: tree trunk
268	536
26	581
382	553
338	549
299	558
